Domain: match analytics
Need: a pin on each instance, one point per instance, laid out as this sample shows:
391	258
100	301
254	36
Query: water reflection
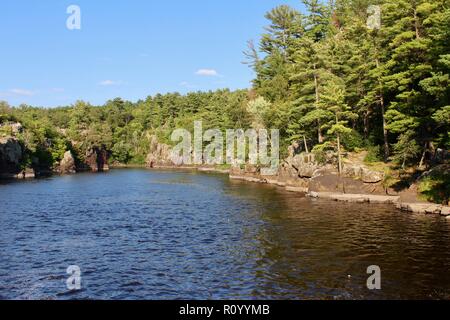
140	234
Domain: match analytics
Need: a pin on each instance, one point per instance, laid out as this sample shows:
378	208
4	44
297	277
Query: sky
125	48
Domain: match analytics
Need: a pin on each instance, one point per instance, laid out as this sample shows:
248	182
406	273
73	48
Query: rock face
159	154
10	157
303	173
363	173
67	164
302	165
97	159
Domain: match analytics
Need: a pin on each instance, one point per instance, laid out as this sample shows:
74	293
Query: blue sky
130	49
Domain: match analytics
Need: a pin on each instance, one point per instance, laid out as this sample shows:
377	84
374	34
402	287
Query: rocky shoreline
302	173
369	198
14	163
299	172
396	200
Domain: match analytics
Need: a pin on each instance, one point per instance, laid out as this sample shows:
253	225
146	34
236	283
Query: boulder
67	164
369	176
363	173
304	164
445	211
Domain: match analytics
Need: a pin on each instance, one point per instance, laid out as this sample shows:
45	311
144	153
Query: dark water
140	234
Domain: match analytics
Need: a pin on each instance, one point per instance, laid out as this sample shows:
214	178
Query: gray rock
10	157
369	176
160	154
10	150
363	173
67	164
445	211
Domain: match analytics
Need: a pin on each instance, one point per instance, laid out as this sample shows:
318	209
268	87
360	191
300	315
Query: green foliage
121	152
323	76
435	187
320	151
373	154
352	140
406	149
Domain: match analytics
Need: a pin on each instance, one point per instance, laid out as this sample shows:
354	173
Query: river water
138	234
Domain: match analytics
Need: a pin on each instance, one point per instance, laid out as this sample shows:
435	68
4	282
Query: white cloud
207	73
107	83
22	92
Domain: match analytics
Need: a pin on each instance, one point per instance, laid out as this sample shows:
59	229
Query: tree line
322	78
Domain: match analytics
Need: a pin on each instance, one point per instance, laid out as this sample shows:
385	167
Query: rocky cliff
67	164
302	173
159	154
11	156
96	160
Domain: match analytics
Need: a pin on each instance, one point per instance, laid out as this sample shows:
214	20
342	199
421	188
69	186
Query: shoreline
174	168
413	207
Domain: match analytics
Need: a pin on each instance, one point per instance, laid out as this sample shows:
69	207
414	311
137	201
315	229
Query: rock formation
97	159
10	157
67	164
303	173
159	154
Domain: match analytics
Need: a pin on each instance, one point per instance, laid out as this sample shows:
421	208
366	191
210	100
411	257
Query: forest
322	78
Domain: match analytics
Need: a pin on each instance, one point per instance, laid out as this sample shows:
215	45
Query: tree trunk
316	89
383	110
416	24
366	124
339	148
320	136
385	131
306	145
422	160
339	154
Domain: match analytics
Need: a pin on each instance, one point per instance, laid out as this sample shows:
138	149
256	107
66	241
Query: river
139	234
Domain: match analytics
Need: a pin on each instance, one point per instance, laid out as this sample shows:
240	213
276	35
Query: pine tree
417	77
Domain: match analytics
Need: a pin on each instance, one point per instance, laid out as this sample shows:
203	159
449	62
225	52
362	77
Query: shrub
373	154
352	141
436	186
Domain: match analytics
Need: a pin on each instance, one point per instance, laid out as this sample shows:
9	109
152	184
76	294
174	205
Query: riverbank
304	186
167	167
298	173
369	198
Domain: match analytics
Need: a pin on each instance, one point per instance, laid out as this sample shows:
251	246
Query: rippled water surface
140	234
